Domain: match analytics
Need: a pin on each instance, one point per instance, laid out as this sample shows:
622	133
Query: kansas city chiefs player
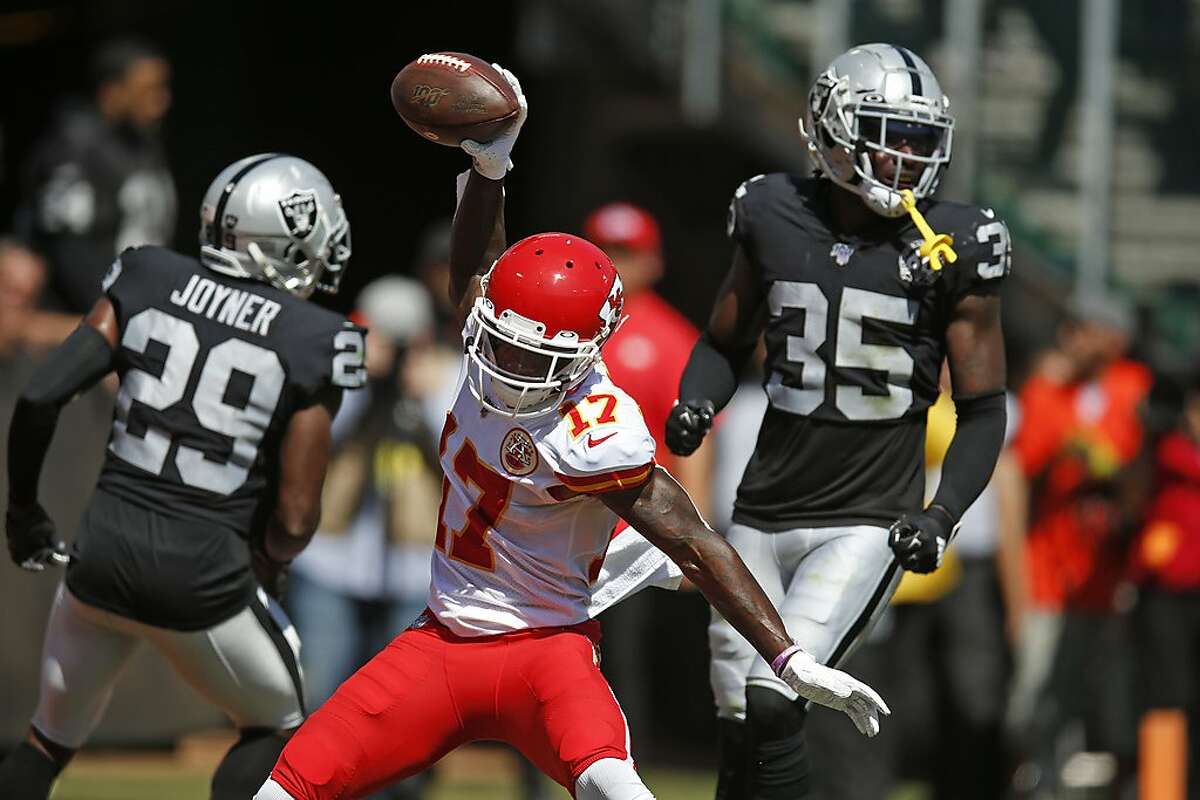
542	453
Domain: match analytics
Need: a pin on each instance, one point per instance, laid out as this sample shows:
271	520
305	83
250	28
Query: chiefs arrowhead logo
518	453
610	312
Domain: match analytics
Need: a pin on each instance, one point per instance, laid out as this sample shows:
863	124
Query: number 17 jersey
521	534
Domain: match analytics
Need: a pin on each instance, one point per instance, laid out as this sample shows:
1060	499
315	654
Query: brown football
448	97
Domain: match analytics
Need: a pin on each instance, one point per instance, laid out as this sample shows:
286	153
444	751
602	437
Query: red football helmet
548	305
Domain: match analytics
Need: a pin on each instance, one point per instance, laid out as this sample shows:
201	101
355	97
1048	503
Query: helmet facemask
843	131
514	369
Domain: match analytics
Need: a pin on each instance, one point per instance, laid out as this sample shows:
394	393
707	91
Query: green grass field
469	774
99	781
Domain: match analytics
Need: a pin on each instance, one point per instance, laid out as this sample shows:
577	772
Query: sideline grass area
192	785
159	778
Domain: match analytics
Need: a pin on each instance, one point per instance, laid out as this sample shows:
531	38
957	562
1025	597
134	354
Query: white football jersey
521	537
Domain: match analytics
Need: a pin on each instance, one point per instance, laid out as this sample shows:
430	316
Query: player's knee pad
770	715
611	779
247	763
272	791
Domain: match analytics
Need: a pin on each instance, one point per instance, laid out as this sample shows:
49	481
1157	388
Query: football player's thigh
82	656
557	708
842	582
246	665
392	718
732	655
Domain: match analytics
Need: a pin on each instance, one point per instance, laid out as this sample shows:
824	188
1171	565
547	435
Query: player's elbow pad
76	364
709	375
978	439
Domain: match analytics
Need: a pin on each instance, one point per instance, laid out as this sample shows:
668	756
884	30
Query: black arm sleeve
711	375
73	366
976	445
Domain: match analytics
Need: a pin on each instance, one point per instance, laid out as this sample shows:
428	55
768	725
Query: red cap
622	225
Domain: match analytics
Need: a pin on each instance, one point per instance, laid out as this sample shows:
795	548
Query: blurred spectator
1166	565
365	576
648	352
1081	429
645	357
98	182
734	438
22	325
433	370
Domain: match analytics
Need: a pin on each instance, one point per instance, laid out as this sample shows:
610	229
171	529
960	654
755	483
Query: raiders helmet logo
518	453
299	212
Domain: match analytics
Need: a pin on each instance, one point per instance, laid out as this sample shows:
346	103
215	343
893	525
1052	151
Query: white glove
832	688
491	159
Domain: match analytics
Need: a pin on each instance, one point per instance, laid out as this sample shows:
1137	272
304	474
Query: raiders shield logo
518	453
299	211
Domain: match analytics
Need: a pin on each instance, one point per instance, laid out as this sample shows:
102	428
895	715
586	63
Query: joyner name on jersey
237	308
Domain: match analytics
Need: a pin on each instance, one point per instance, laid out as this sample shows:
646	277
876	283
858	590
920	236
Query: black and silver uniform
855	335
212	368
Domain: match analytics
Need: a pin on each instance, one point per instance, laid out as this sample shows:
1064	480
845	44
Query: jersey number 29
245	425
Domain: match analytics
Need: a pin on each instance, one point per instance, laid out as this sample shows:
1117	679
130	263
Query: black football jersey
212	368
855	337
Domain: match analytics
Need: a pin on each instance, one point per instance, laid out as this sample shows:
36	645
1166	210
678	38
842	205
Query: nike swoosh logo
593	441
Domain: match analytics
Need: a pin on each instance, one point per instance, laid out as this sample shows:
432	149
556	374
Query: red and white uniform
524	556
521	536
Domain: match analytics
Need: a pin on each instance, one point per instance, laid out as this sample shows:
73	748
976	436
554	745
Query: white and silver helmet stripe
218	222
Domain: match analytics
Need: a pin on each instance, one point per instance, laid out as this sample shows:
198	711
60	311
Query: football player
228	381
541	453
860	300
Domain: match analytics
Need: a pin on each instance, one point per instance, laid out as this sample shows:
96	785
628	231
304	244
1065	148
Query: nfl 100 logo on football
299	210
518	453
914	269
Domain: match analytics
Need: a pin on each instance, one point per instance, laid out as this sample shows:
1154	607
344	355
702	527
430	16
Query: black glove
33	543
272	575
687	424
919	540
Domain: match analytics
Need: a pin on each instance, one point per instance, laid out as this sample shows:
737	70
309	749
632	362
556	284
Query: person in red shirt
1081	428
1166	566
645	356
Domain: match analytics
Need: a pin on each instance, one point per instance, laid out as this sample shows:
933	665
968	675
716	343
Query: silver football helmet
275	218
879	97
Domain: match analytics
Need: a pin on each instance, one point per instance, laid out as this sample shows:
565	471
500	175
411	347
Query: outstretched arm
76	364
477	237
478	229
662	512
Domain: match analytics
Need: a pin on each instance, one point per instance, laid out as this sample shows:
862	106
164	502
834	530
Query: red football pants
430	691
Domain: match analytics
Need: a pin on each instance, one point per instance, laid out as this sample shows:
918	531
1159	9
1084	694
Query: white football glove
834	689
491	159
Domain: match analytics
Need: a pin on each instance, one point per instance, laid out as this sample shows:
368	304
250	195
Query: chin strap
935	246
